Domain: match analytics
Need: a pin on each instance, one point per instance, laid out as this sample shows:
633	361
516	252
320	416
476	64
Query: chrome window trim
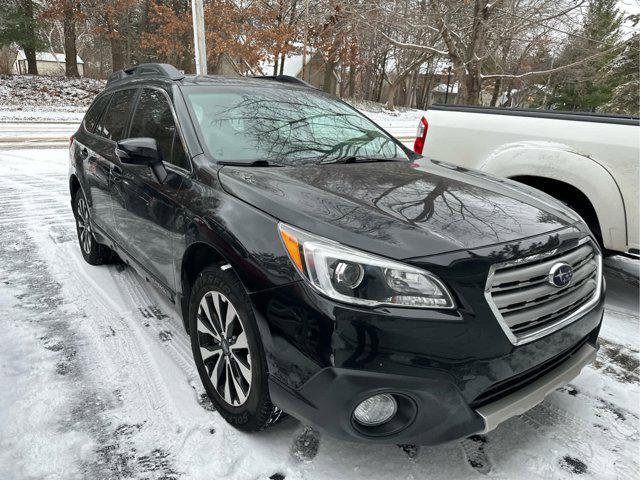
558	323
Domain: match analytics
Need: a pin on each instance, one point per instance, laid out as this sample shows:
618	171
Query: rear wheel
228	351
93	252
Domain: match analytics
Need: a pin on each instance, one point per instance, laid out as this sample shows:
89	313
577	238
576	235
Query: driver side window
153	118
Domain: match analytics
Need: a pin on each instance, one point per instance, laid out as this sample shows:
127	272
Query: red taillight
70	141
423	126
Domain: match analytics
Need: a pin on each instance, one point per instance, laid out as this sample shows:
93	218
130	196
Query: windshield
285	127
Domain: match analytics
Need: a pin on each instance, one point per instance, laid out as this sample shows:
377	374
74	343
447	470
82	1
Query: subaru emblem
560	275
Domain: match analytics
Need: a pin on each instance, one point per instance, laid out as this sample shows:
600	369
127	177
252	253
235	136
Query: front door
145	210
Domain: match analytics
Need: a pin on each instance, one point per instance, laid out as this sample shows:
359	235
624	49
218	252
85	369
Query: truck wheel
93	252
228	351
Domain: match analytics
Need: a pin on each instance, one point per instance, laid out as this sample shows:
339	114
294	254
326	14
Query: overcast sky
629	7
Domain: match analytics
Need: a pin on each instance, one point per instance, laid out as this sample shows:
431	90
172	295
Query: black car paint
445	219
397	209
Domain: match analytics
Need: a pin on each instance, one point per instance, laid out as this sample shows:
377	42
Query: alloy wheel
84	226
224	348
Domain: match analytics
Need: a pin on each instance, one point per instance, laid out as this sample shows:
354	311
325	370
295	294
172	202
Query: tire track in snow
576	435
178	348
114	457
128	343
126	317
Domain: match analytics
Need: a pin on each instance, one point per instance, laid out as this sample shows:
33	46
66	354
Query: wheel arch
198	256
74	185
572	196
561	172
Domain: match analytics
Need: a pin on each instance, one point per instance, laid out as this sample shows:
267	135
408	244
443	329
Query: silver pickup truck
588	161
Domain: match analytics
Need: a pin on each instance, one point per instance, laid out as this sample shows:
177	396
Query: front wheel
228	351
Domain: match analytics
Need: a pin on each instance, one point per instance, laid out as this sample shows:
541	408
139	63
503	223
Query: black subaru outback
323	269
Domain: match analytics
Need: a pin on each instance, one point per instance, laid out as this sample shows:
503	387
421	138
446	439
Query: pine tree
19	24
625	69
589	85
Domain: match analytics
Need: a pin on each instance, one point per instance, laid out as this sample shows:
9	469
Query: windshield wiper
361	159
255	163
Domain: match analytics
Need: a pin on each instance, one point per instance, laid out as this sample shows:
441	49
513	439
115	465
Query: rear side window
113	122
153	118
96	109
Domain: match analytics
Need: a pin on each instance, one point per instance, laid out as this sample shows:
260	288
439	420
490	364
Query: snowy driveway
51	133
40	135
97	379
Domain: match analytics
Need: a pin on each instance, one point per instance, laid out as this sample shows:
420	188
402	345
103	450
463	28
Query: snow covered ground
41	98
27	98
97	379
44	131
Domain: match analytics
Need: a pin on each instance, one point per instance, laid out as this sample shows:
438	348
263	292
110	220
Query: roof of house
48	57
292	65
439	66
442	88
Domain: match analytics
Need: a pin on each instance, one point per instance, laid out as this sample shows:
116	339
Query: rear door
102	160
146	210
96	180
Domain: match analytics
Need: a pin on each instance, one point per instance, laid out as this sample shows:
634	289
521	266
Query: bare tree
477	35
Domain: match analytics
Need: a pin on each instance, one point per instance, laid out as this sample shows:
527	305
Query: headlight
351	276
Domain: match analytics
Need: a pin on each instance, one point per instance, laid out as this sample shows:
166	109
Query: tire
232	364
93	252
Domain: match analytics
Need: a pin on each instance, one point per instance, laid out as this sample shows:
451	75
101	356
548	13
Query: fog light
376	410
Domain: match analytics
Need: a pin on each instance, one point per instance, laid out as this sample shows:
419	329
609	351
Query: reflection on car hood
397	209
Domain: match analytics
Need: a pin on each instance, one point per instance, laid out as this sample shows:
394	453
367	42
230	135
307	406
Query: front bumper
457	370
440	413
447	402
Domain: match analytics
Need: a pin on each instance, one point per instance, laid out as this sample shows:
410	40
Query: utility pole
304	41
197	9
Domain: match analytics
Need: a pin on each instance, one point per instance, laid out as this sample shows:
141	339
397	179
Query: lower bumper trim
528	397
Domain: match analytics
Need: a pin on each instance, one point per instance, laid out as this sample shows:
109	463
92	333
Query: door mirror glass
142	151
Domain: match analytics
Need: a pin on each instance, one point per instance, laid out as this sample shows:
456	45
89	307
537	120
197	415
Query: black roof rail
284	79
159	69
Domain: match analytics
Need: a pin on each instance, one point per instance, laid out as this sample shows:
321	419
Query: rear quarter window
96	109
113	122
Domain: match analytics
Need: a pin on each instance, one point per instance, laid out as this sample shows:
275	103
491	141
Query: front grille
528	306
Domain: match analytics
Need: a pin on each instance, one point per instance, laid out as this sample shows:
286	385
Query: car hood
397	209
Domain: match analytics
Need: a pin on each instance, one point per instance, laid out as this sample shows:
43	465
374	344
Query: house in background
48	64
439	93
423	87
313	71
229	66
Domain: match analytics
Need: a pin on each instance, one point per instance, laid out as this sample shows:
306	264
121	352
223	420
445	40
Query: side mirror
142	151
